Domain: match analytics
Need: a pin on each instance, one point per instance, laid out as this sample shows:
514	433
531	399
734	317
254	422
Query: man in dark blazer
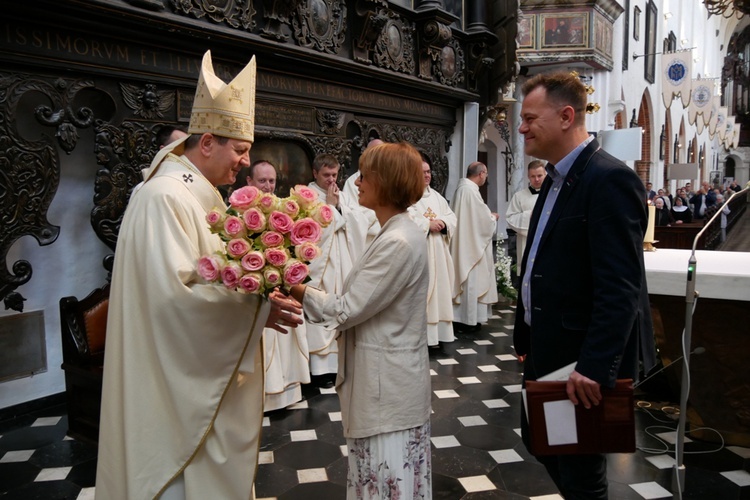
583	295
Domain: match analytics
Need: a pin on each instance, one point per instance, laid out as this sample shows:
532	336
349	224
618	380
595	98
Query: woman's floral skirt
392	466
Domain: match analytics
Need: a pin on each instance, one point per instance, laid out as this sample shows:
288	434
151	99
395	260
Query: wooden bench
83	326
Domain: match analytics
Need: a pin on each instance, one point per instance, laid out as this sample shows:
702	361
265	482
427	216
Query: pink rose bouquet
268	241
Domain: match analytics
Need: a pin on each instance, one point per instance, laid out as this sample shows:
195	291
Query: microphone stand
678	480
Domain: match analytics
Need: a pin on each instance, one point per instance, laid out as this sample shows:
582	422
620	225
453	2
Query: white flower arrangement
503	268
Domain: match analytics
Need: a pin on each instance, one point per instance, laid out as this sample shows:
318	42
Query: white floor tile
506	311
661	461
449	393
306	435
335	416
739	450
671	437
433	372
496	403
554	496
483	342
302	405
266	422
265	457
517	430
506	456
513	388
312	475
506	357
472	421
86	494
447	361
344	450
489	368
469	380
54	474
499	334
466	351
496	316
45	421
476	483
445	441
651	490
508	327
739	477
328	390
16	456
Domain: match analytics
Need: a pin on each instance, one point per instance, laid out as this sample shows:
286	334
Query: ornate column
476	16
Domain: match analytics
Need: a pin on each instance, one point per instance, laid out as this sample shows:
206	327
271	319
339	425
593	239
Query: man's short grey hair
475	169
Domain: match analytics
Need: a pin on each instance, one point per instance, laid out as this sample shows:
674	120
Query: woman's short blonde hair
396	171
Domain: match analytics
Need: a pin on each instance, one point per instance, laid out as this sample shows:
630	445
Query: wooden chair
83	326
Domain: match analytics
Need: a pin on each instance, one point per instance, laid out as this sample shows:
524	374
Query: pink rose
251	283
234	227
295	272
243	197
276	256
272	276
238	247
253	261
304	195
307	251
271	239
305	230
209	267
290	207
322	214
215	218
231	274
254	220
280	222
268	202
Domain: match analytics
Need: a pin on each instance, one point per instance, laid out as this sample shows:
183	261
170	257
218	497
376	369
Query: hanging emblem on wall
147	102
676	71
701	96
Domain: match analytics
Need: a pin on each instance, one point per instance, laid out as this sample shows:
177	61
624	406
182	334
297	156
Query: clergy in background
286	354
183	380
329	270
519	210
474	289
434	217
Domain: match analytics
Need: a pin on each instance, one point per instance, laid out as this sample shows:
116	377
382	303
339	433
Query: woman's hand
285	312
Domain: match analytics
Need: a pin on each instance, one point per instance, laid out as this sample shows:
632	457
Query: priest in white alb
474	289
434	217
521	205
183	381
329	270
286	355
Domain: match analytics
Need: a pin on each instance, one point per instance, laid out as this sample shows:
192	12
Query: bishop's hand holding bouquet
268	240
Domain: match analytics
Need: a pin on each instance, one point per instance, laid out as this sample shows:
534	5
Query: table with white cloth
720	377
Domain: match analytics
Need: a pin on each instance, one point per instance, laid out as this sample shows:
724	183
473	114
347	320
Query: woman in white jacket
383	378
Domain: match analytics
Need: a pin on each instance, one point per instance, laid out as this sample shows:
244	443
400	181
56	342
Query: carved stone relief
122	151
236	13
147	102
450	64
433	142
320	25
330	121
277	14
394	48
30	170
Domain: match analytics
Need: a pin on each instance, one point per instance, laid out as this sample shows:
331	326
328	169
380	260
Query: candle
651	222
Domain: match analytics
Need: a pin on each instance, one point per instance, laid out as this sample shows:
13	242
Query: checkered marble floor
477	450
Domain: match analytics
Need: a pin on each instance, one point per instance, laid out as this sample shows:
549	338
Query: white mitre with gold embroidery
221	109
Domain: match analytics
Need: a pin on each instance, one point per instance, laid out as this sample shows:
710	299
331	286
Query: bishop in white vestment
474	289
